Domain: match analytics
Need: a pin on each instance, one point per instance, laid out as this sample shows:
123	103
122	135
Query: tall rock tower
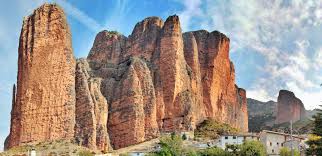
289	107
127	91
44	108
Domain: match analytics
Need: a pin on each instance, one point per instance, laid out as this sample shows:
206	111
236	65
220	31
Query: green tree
233	149
252	148
315	139
171	146
287	152
214	151
190	152
284	151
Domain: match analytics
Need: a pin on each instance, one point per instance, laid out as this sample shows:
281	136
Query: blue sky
274	44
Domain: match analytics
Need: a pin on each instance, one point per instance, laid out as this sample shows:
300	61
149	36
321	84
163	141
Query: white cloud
192	9
80	16
318	58
258	94
281	31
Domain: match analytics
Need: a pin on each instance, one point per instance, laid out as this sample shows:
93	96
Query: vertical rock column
126	117
91	110
45	102
192	58
174	76
132	114
242	118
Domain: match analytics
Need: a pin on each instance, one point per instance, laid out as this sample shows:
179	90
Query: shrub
171	146
233	149
287	152
85	153
315	139
214	151
152	154
252	148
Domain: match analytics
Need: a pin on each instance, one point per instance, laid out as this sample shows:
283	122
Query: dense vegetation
315	139
212	129
174	146
287	152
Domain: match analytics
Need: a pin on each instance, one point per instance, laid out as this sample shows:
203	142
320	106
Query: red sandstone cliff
289	107
177	80
44	107
128	89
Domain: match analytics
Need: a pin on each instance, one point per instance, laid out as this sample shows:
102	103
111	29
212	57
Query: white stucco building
235	139
274	141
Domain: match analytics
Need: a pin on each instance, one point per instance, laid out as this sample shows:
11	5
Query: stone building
274	141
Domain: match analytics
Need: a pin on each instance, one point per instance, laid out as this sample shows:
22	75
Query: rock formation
91	110
289	107
276	116
44	107
128	90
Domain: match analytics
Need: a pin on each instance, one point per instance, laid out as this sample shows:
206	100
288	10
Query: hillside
262	115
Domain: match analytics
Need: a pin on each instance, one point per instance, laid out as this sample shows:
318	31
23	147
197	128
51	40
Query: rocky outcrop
128	90
160	80
44	108
174	77
133	104
91	110
289	107
208	56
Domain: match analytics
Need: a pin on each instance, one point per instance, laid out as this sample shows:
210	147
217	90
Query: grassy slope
48	148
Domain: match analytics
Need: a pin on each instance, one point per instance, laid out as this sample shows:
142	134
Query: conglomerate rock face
44	107
168	82
289	107
91	110
128	90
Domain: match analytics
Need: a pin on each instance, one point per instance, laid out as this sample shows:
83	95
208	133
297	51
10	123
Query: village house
235	139
274	141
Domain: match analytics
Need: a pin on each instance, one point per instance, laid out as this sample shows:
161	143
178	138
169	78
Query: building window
226	137
277	143
282	144
270	143
272	150
234	137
